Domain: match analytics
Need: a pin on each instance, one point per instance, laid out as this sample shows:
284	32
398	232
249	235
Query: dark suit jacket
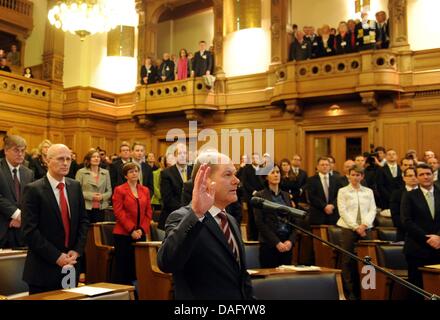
38	168
171	186
8	198
267	221
152	74
200	65
44	231
395	201
251	181
234	209
343	44
383	35
116	176
386	184
147	177
166	69
201	260
316	196
300	51
418	222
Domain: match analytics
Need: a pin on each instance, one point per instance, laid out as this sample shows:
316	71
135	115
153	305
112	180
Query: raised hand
203	192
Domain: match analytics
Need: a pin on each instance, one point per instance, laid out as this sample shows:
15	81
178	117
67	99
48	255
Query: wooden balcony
16	16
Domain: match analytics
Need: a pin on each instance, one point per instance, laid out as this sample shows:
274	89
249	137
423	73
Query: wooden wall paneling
428	134
396	136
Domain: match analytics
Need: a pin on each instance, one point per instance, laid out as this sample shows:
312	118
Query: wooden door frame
301	142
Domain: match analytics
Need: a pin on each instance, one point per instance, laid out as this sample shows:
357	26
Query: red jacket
125	209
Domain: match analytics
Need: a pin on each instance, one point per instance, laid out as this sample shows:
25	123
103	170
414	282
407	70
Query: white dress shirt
214	211
54	183
350	201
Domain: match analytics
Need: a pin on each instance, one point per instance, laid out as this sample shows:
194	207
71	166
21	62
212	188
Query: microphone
261	203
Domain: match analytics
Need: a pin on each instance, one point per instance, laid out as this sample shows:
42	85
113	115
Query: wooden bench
153	284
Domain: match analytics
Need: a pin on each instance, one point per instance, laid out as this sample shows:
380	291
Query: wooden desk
153	284
368	248
382	292
325	255
7	253
62	295
431	280
276	272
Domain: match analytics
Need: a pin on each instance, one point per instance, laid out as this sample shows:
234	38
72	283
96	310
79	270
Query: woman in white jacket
357	211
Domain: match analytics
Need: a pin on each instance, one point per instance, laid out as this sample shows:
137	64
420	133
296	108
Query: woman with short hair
96	186
132	208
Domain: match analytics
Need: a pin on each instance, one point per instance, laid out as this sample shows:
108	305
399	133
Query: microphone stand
367	261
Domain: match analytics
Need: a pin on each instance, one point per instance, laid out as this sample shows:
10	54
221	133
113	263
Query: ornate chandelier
83	17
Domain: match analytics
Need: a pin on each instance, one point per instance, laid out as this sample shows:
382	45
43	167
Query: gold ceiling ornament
84	17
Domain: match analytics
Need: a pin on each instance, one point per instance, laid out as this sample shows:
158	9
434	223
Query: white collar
323	175
54	182
214	211
431	190
408	188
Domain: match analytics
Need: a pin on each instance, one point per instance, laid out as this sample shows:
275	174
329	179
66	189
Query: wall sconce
334	110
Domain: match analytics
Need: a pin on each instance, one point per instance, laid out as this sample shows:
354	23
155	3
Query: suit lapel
52	200
424	203
72	207
437	203
214	228
8	177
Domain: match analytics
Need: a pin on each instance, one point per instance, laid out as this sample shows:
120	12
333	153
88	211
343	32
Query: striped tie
228	234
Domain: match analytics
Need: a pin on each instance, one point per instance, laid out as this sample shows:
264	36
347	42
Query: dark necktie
228	234
352	39
16	185
64	214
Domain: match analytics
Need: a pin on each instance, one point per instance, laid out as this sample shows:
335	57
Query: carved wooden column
278	31
398	24
53	55
53	66
140	9
218	36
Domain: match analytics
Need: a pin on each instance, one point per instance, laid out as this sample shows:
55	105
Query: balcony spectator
202	62
366	32
166	69
13	56
183	65
3	66
328	42
352	35
28	73
149	73
382	31
300	49
314	40
343	44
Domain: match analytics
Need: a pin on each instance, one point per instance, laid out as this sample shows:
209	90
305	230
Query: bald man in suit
55	224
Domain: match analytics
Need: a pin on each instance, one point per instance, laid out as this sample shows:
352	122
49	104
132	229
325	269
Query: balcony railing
20	6
17	13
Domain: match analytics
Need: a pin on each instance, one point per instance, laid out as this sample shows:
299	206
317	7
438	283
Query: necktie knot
60	186
14	171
